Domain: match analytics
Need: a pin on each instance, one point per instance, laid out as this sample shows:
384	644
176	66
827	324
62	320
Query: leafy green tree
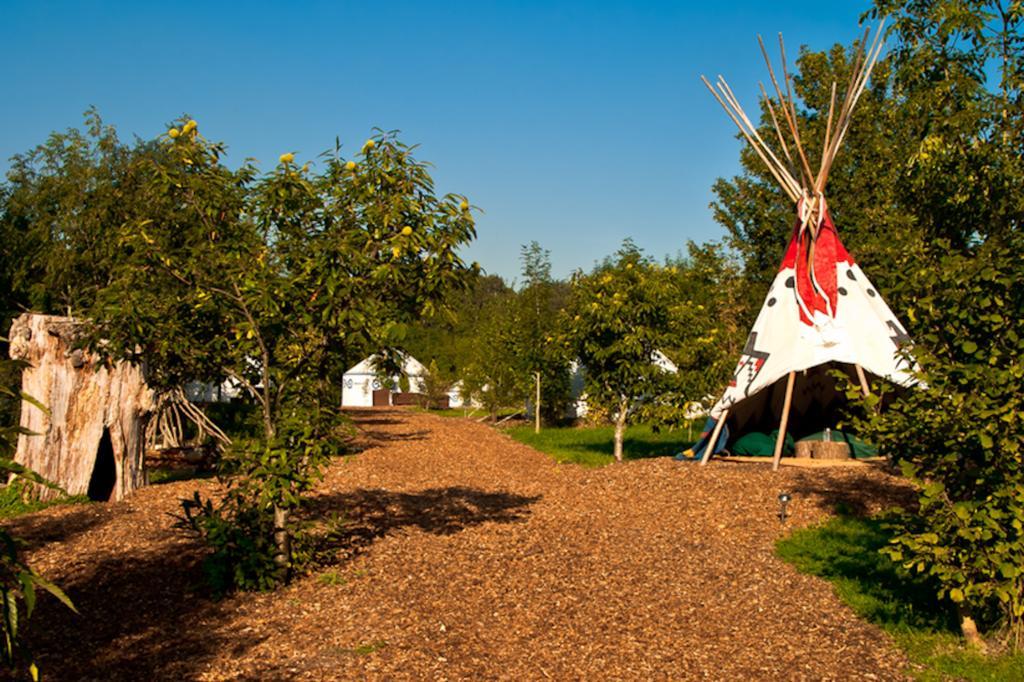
957	74
514	343
540	358
712	320
60	210
492	374
959	435
272	282
957	80
617	318
436	385
449	340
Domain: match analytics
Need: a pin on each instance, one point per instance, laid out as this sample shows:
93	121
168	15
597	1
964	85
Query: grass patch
13	501
594	445
844	551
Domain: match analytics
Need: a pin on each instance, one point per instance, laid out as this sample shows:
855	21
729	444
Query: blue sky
573	124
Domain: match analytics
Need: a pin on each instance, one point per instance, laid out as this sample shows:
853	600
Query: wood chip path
468	556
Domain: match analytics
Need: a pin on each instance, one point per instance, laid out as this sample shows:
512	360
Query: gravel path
471	557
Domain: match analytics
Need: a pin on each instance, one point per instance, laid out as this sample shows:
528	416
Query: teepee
821	312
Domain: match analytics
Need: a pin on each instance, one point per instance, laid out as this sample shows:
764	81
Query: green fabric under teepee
757	444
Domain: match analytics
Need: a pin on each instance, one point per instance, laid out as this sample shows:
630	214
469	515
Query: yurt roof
410	366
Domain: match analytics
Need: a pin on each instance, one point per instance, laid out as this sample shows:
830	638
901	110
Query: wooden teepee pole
714	438
778	129
864	63
818	187
788	184
784	422
797	142
865	388
788	110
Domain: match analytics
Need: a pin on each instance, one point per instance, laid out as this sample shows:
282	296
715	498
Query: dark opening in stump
90	437
104	471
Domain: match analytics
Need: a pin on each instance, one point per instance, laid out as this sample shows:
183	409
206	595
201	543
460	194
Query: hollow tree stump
820	449
92	441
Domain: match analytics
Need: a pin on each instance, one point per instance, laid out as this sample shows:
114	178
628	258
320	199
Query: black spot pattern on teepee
849	273
842	291
771	302
791	282
871	293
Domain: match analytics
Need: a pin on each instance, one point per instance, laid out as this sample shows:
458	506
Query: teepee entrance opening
104	471
816	403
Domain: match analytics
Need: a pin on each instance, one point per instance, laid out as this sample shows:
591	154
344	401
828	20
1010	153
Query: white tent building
578	408
363	385
224	392
456	399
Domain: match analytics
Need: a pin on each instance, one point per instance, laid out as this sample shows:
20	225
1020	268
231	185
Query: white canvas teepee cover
820	308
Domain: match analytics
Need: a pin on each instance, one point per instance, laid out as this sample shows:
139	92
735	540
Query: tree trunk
282	541
91	438
536	407
620	429
282	536
970	629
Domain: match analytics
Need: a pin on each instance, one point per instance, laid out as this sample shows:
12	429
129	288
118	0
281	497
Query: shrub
960	435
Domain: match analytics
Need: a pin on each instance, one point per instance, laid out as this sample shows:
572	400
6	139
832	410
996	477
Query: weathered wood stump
92	441
821	449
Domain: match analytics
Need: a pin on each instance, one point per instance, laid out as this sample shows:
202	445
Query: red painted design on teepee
828	252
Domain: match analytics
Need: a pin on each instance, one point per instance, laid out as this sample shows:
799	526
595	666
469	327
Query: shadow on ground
362	419
380	437
368	515
370	434
141	615
853	495
847	551
36	530
147	615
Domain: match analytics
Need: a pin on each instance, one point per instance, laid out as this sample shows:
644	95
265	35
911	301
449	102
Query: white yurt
363	385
